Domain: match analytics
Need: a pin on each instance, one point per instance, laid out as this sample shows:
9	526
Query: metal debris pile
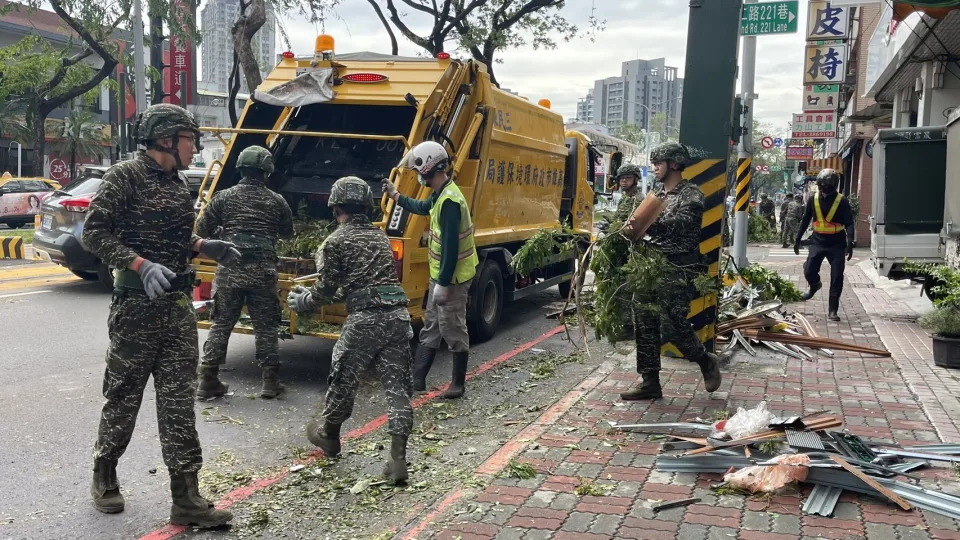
746	320
798	449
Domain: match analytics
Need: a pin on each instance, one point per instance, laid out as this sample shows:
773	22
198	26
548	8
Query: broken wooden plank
872	483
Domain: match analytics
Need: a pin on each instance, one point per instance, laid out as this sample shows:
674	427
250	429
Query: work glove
441	294
796	248
300	300
156	278
850	247
389	188
224	253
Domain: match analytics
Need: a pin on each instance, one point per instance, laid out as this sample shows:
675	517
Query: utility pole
140	92
745	154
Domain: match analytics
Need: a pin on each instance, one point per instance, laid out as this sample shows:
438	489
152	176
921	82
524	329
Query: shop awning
816	165
934	8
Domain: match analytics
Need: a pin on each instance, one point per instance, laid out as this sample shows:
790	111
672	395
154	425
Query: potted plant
944	321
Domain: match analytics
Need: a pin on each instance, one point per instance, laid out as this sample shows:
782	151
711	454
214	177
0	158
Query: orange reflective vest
825	225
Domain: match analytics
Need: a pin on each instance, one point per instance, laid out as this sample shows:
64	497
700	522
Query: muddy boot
814	287
189	508
649	389
395	470
209	385
833	308
105	488
271	382
421	366
459	375
710	368
326	437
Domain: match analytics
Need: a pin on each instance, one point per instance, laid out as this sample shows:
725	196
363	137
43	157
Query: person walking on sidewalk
253	217
630	194
141	223
791	211
767	209
676	233
453	263
355	265
832	238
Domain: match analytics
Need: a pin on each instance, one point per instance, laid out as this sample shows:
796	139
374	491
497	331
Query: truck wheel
486	302
105	276
565	286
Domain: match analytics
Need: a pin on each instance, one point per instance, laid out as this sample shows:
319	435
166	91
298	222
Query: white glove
441	294
300	300
389	188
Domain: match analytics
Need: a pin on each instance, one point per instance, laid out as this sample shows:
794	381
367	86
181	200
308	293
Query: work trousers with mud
263	306
159	338
447	322
379	337
667	323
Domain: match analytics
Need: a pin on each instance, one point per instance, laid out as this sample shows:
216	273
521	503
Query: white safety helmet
425	158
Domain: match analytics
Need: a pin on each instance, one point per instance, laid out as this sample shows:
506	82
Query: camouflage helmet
670	151
629	168
163	120
350	190
256	157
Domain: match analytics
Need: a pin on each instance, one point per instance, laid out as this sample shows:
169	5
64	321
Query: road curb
11	247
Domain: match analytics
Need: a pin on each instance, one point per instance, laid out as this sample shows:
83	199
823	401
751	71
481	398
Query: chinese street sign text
824	64
815	125
769	18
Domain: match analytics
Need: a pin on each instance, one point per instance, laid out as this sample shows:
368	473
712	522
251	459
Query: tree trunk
73	163
234	82
39	143
156	60
243	30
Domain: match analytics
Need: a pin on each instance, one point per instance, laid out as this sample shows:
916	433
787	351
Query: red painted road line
169	531
512	448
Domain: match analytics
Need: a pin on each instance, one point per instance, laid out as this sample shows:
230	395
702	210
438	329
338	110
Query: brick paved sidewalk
905	399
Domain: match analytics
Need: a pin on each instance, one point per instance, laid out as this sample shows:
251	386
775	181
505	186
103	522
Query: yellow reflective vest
467	259
825	225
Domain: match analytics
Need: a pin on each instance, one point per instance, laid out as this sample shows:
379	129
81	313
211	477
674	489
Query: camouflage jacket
794	212
355	264
767	208
139	210
629	201
784	206
253	217
676	232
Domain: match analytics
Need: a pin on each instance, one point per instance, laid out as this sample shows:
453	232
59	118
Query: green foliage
535	252
628	277
854	205
629	132
766	182
523	471
79	137
547	363
759	229
769	283
308	234
587	487
943	321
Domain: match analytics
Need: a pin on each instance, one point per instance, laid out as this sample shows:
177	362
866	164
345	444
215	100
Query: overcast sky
644	29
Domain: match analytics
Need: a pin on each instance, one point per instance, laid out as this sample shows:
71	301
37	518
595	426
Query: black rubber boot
710	368
814	287
459	377
833	308
209	385
326	437
649	389
271	382
105	488
191	509
421	366
395	470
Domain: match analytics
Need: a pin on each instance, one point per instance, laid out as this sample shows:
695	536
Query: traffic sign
778	142
769	18
766	142
776	168
762	168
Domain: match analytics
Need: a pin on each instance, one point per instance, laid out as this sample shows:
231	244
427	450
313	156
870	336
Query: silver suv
61	224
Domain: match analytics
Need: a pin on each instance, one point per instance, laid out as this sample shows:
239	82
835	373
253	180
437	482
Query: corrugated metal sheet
822	500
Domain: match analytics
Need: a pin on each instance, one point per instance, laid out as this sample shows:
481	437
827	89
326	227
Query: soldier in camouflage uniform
676	233
355	264
790	214
253	217
141	223
767	209
630	194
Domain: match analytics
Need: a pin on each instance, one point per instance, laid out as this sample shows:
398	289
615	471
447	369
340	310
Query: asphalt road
53	328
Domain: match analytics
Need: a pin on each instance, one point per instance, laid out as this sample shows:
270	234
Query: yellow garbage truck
330	115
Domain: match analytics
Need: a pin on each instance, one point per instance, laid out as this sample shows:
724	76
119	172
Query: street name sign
769	18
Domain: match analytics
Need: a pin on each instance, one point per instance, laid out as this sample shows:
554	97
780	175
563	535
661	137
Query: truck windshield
307	167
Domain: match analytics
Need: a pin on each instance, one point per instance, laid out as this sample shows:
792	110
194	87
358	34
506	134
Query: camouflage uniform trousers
263	306
789	233
668	325
380	336
447	322
159	338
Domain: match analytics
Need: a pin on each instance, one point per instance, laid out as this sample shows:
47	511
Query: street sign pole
140	92
745	153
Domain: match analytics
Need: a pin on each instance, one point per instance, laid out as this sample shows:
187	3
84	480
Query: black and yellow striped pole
741	207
